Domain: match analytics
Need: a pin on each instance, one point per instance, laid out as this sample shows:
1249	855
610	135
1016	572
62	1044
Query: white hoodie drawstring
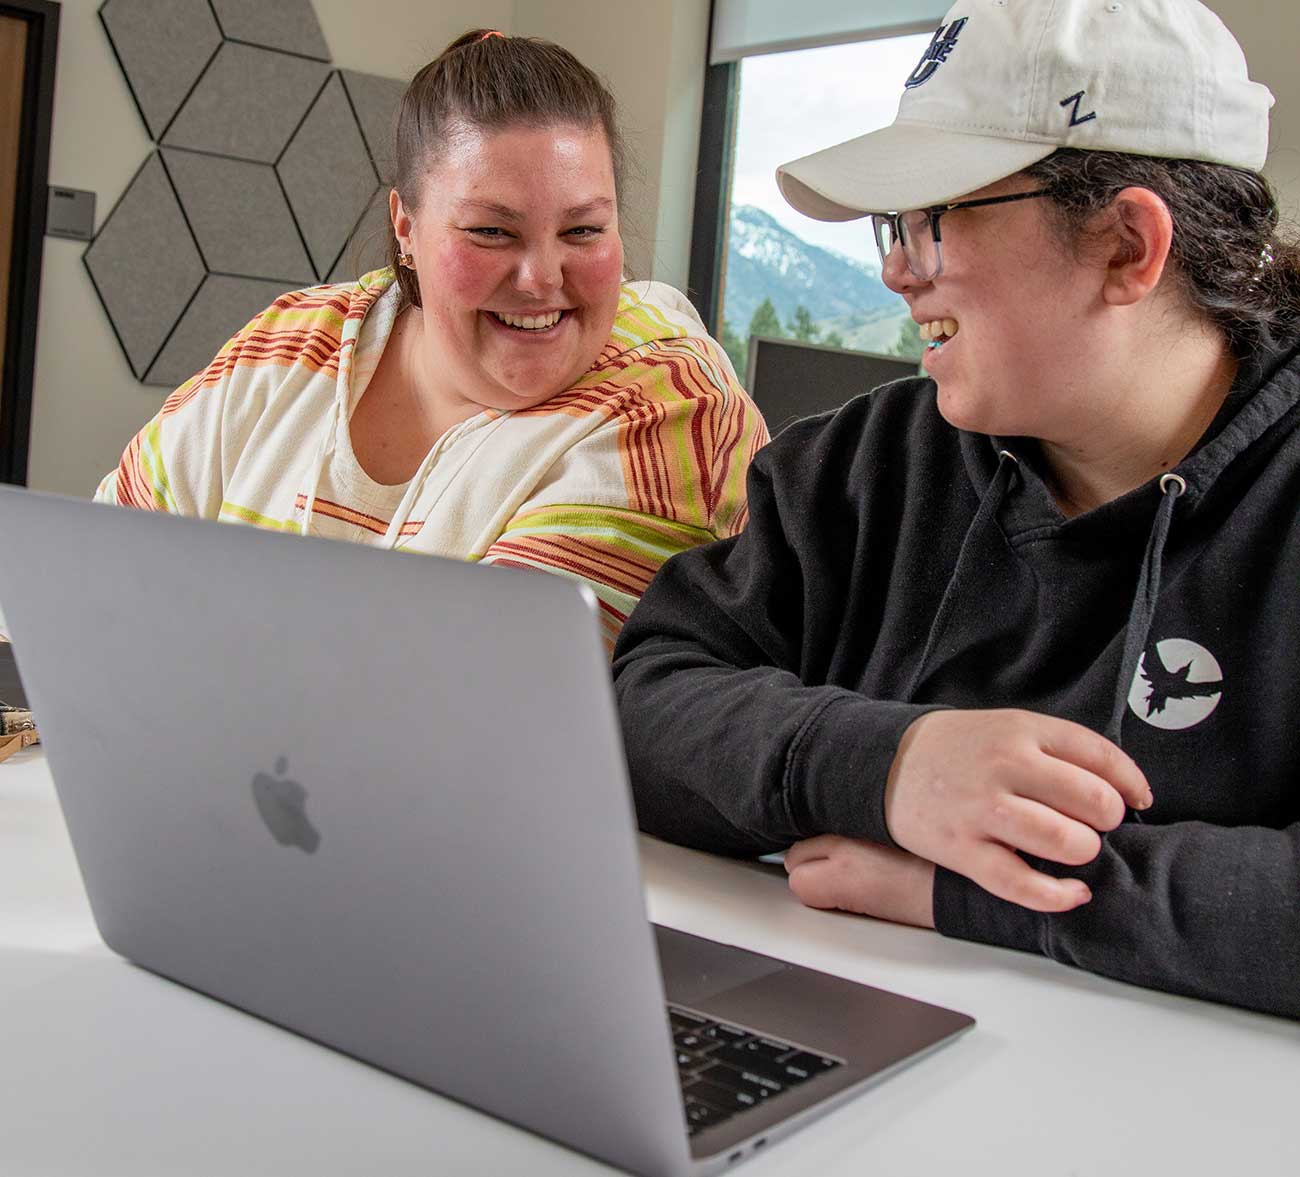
409	499
324	451
421	475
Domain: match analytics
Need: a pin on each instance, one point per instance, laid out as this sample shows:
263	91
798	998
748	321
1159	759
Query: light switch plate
70	213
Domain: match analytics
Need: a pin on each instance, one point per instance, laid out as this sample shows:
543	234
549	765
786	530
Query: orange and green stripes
615	551
142	476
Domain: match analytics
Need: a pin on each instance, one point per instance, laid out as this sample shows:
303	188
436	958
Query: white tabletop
106	1069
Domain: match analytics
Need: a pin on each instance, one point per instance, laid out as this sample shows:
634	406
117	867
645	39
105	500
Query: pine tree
766	321
802	327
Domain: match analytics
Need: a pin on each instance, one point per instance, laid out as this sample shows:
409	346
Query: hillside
766	260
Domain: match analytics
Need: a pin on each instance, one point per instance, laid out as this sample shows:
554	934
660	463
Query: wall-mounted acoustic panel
288	25
327	175
239	216
222	306
144	265
367	248
163	47
266	180
248	103
375	100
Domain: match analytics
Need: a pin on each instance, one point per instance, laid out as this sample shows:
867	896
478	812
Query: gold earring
407	260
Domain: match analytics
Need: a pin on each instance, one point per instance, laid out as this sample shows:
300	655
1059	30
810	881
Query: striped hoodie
644	457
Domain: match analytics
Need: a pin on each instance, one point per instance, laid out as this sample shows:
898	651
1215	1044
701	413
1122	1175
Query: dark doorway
28	44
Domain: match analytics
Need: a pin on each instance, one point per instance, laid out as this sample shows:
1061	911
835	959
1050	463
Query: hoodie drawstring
323	452
1172	487
407	505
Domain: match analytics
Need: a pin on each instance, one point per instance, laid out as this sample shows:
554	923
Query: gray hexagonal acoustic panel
272	173
240	219
374	102
145	265
288	25
247	103
327	175
163	47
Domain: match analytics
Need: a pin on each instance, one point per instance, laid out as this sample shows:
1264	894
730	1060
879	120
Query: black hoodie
893	564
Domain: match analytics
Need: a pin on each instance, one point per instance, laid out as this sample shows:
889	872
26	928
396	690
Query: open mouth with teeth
937	332
534	324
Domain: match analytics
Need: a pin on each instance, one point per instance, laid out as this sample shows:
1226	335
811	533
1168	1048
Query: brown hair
1231	262
492	81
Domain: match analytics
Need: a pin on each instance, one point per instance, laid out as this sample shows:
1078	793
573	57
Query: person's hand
855	875
969	788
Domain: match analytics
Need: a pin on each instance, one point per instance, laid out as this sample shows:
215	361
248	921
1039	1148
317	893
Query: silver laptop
380	800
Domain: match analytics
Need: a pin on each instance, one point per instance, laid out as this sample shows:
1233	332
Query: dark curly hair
492	81
1228	257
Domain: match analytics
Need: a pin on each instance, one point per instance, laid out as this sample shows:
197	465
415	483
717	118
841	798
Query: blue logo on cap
936	52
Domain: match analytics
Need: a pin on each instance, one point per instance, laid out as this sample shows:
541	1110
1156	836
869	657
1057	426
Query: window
780	273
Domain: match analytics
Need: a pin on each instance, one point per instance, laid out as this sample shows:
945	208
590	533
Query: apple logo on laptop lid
283	805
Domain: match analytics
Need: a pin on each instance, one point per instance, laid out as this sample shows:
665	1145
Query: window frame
31	197
713	176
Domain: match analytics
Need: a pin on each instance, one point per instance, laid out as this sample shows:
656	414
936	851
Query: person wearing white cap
1009	650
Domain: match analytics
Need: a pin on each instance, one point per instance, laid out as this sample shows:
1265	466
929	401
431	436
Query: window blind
744	28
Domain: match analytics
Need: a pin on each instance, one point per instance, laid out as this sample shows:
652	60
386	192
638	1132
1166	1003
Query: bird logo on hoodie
1177	684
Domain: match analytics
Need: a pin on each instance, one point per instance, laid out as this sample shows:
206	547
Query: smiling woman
498	393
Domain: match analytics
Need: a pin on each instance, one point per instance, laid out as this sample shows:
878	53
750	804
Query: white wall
86	403
1268	31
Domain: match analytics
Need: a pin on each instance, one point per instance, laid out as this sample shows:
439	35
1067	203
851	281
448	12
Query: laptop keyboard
725	1069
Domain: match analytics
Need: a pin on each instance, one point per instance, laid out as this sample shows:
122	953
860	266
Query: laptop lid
291	772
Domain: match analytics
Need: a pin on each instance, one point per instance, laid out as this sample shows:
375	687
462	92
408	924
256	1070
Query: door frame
32	196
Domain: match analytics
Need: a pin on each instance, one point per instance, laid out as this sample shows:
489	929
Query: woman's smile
538	324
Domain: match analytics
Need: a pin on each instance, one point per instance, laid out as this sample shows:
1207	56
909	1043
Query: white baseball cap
1004	83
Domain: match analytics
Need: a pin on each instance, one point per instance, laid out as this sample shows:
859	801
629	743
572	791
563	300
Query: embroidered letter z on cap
1004	83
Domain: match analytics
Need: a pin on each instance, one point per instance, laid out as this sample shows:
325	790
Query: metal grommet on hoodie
1173	479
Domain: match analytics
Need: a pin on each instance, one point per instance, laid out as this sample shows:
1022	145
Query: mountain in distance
766	260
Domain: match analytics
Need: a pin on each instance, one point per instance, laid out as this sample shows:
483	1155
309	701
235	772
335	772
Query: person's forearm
1190	908
747	761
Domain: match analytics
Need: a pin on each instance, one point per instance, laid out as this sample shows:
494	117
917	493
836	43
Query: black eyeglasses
917	230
